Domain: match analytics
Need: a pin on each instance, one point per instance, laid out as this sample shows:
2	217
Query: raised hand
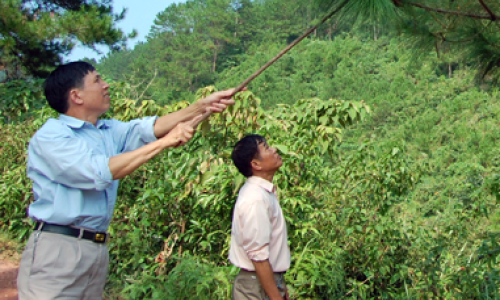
181	133
219	101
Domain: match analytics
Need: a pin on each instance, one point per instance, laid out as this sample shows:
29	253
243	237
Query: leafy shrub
401	204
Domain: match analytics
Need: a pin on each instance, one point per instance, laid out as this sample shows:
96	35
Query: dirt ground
8	275
9	262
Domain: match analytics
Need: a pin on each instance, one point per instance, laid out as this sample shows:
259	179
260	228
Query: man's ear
75	96
255	163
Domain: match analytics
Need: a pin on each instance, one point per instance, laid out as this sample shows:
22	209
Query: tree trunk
216	50
235	25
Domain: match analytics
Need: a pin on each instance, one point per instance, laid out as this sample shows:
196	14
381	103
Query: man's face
269	159
95	93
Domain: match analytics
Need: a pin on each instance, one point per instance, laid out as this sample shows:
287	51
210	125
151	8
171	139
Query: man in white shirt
259	243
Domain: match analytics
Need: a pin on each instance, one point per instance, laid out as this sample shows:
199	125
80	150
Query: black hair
60	82
245	151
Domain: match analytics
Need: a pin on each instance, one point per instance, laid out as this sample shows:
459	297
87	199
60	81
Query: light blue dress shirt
68	161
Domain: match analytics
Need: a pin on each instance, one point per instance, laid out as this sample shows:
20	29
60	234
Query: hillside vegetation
389	184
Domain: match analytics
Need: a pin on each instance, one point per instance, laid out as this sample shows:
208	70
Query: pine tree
35	34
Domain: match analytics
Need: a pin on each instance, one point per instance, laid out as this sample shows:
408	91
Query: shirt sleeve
134	134
256	230
67	160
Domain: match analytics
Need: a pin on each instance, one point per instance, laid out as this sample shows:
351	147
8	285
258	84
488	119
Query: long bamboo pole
269	63
297	40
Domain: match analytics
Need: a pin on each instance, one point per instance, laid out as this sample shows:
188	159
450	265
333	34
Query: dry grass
10	249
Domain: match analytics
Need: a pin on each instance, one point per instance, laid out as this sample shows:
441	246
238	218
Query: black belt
278	273
96	237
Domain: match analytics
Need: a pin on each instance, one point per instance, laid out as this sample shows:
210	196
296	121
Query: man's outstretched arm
214	103
123	164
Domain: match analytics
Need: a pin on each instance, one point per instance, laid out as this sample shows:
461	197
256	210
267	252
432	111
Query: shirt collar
102	124
268	186
77	123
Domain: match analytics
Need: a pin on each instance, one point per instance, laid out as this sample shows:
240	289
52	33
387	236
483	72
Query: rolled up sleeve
256	230
134	134
69	161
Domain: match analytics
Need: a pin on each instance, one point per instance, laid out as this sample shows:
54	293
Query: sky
140	16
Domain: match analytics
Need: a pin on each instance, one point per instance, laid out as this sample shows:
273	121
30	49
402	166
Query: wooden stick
492	16
254	75
298	40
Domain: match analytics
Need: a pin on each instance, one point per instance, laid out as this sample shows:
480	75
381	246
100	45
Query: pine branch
492	17
440	23
472	37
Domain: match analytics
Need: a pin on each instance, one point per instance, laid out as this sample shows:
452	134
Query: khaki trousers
56	266
247	286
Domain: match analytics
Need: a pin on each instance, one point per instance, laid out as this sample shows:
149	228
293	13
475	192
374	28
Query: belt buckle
100	237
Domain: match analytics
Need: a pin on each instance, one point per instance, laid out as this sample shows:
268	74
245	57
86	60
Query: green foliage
400	203
14	182
200	280
18	98
190	44
467	28
34	35
16	188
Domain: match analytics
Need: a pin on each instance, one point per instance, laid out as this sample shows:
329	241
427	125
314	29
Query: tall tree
215	21
179	49
185	45
35	34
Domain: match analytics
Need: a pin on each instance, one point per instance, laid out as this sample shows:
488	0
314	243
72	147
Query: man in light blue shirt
75	163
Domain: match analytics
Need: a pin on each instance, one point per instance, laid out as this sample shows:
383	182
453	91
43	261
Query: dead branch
150	82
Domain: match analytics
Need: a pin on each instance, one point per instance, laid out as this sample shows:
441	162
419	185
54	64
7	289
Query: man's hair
60	82
245	151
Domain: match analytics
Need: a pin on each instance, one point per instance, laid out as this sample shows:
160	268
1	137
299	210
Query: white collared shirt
258	229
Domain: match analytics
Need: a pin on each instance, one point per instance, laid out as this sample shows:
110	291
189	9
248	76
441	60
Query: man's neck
82	116
266	176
